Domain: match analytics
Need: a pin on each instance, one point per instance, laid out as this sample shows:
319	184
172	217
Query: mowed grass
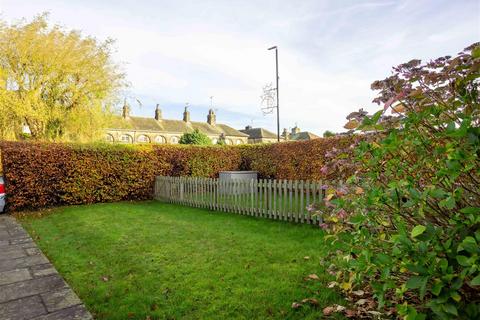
151	260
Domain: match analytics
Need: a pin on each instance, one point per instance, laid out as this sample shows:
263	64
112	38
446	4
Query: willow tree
56	82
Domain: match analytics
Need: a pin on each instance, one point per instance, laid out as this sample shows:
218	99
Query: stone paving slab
23	262
24	308
76	312
43	270
30	286
15	275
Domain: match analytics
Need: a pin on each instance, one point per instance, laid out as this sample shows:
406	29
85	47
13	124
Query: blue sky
330	51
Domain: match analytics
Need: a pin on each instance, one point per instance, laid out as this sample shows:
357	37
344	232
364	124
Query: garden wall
42	175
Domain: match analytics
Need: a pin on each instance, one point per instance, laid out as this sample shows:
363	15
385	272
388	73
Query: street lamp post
278	94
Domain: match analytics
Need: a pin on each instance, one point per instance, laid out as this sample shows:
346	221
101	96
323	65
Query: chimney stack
126	109
295	130
186	114
285	134
211	118
158	113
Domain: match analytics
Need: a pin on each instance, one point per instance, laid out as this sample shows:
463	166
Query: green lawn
151	260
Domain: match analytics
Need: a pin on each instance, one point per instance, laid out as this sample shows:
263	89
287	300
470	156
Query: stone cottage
131	129
297	135
259	135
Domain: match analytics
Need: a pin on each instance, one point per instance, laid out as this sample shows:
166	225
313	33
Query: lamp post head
274	47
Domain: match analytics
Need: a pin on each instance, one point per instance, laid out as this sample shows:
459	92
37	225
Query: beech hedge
303	160
40	175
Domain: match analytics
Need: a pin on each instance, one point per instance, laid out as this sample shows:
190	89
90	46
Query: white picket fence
274	199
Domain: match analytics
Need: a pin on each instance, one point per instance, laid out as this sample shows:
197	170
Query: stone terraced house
297	135
131	129
259	135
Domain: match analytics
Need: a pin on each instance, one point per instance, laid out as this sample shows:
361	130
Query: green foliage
57	82
328	134
195	137
414	211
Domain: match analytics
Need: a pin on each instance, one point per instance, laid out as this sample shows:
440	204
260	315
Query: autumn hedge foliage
41	175
299	160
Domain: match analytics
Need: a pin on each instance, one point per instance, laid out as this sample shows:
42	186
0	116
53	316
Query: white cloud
330	51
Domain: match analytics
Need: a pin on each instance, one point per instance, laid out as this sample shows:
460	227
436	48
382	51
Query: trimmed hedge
198	161
41	175
296	160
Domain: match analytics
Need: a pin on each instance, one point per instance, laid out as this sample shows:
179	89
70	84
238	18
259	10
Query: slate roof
304	135
173	126
259	133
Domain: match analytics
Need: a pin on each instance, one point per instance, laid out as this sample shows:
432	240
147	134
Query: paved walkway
30	286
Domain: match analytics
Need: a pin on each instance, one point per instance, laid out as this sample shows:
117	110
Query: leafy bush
328	134
413	214
195	137
302	160
42	175
199	161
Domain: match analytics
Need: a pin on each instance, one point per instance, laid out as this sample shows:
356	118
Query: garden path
30	286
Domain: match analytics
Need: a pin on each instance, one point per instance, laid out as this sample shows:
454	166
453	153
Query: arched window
109	137
214	140
160	139
229	141
143	139
126	138
238	141
174	139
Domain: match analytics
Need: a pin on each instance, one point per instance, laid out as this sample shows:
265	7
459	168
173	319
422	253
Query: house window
143	138
239	141
126	138
160	139
229	141
174	139
109	137
214	140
